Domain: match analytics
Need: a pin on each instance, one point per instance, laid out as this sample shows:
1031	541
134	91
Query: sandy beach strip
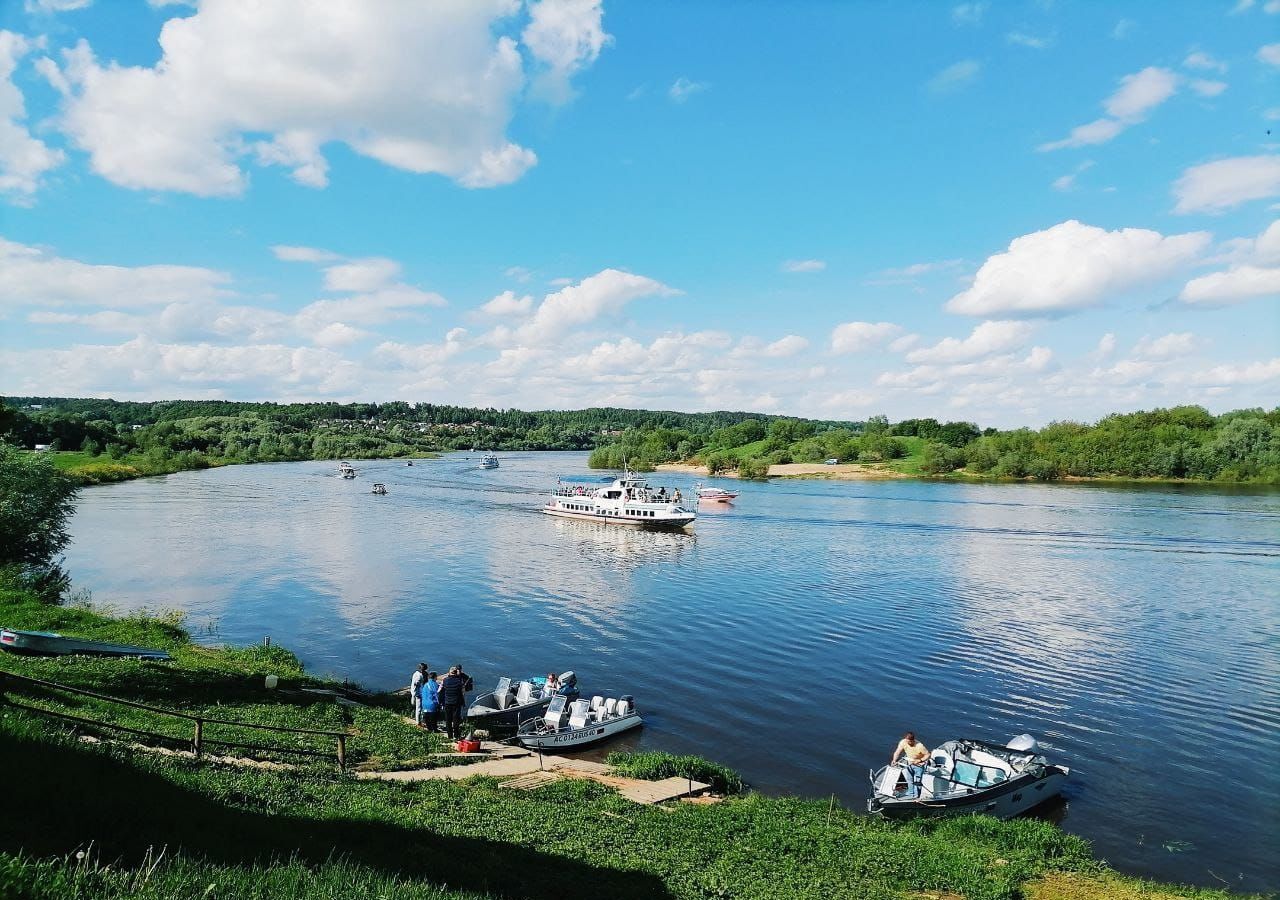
843	471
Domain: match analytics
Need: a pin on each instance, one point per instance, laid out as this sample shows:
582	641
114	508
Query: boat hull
1005	801
580	737
43	643
484	716
675	523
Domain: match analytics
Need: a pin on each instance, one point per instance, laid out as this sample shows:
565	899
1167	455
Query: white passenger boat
346	470
379	488
489	461
715	494
576	724
968	777
626	500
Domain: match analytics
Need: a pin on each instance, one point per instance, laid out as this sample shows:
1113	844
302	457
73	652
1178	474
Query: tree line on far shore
1184	442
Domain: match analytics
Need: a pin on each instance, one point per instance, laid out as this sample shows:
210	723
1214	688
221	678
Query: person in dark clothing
453	700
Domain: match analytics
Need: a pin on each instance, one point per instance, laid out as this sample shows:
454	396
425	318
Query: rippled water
794	635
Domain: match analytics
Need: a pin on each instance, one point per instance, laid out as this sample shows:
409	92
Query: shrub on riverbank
654	766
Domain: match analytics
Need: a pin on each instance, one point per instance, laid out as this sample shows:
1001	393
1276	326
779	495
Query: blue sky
1010	213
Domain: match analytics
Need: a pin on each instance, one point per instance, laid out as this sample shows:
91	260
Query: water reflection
1134	631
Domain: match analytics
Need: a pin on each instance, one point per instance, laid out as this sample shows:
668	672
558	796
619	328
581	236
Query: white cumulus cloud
954	77
566	36
1137	95
424	87
803	265
30	276
23	159
854	337
1269	54
1225	183
1072	266
986	339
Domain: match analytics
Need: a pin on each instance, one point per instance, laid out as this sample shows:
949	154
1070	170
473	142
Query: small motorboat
715	495
967	777
379	488
409	463
511	704
567	725
47	643
346	470
489	461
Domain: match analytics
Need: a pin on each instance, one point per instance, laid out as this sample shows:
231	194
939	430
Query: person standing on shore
415	690
453	697
430	702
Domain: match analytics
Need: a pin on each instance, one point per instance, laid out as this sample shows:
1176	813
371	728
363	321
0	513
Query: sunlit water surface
793	636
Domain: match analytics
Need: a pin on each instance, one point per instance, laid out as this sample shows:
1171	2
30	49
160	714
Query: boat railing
198	740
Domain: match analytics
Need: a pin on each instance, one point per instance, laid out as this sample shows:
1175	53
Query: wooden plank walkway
525	771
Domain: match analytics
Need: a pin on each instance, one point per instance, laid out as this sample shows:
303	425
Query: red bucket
468	746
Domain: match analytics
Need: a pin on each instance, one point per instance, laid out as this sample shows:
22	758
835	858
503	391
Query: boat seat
887	786
596	702
610	707
525	693
578	714
501	699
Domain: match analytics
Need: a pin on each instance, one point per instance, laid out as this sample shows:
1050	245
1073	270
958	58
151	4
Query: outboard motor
630	701
1024	743
569	685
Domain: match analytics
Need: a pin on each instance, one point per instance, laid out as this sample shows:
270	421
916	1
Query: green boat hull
46	643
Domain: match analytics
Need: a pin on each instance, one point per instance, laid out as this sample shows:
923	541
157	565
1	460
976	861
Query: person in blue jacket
430	702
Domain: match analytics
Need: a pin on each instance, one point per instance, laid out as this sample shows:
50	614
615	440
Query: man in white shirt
415	691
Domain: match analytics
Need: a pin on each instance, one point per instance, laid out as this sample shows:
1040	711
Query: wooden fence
198	740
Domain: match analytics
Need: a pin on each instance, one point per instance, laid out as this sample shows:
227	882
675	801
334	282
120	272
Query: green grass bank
104	819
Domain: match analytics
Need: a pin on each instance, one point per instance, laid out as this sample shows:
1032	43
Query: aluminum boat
579	723
966	777
511	704
47	643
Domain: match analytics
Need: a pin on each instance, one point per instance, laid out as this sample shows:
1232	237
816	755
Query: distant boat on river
346	470
626	500
716	495
379	488
489	461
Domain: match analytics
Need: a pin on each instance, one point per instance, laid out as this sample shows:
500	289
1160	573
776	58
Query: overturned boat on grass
47	643
579	723
966	777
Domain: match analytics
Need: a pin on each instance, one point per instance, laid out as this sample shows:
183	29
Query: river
794	636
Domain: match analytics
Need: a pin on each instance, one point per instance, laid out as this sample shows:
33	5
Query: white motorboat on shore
625	500
715	494
346	470
489	461
579	723
968	777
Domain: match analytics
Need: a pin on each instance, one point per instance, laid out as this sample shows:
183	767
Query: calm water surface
794	635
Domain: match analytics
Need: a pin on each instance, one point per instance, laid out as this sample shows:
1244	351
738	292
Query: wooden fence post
342	753
197	741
